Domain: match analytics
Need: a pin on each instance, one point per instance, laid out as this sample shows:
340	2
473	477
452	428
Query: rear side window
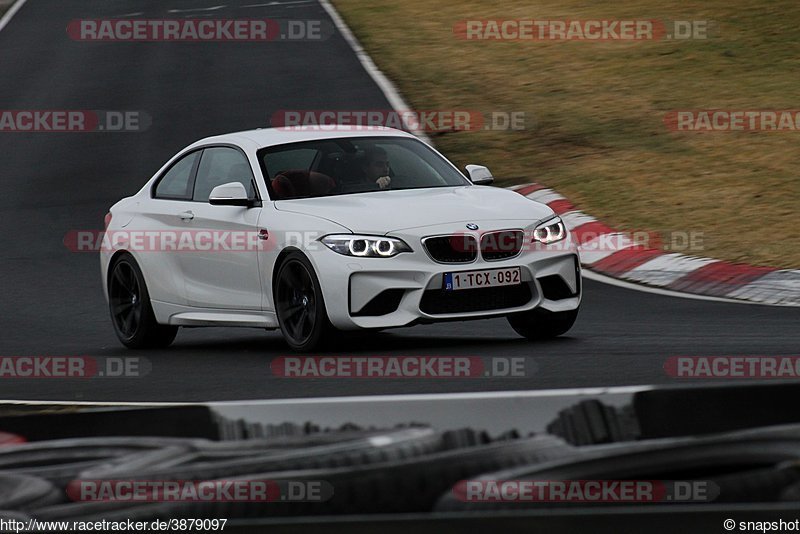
176	184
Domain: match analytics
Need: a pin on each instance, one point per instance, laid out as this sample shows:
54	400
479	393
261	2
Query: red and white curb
633	262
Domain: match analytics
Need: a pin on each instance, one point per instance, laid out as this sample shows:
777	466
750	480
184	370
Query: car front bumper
408	288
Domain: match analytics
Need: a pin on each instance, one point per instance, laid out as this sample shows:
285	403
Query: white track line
193	10
597	277
384	84
10	13
595	391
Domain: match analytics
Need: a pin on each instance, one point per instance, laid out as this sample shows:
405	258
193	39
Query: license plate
490	278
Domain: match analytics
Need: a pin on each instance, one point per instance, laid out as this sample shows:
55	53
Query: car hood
382	212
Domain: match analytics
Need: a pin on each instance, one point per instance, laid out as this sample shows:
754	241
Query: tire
591	422
212	461
300	306
542	324
23	492
747	466
131	312
62	460
407	477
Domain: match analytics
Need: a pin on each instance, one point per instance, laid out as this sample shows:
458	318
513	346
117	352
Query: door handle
186	215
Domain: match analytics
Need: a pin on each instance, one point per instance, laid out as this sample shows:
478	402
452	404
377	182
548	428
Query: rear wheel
131	312
299	304
542	324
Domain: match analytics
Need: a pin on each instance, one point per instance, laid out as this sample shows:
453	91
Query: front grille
439	301
497	246
457	248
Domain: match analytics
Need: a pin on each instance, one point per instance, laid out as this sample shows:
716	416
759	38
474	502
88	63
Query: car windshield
354	165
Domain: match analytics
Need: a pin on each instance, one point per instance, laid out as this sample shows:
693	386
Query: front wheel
131	312
300	306
542	324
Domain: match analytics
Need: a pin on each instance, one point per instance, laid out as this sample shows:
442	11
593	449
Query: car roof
265	137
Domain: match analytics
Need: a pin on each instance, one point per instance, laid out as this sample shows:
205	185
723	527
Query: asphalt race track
50	298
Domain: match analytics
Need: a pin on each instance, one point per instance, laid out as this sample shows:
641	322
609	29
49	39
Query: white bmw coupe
314	231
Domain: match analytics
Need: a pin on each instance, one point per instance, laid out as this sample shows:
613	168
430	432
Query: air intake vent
439	301
383	303
555	288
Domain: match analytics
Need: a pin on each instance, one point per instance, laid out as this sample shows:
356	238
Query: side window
176	183
290	160
221	165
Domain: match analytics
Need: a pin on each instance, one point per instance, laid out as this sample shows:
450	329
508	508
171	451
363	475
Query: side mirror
231	194
479	175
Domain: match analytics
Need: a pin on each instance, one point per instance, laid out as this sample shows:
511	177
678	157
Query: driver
376	167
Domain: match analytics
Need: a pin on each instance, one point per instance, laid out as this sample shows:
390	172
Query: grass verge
599	136
5	5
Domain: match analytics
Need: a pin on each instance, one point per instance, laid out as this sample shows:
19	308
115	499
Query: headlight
550	231
365	246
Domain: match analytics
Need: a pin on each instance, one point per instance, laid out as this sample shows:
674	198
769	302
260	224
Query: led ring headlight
365	246
384	248
358	247
550	231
